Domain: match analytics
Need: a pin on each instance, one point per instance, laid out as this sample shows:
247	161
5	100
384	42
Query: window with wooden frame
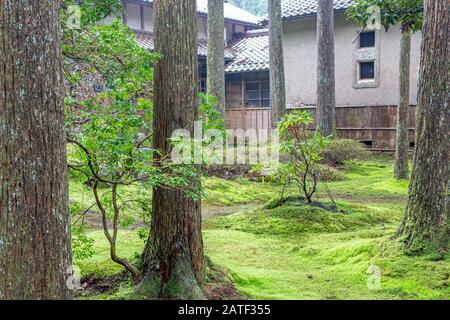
257	94
366	70
234	95
367	39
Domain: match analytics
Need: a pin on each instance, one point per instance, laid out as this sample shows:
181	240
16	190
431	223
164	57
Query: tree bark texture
35	250
326	121
216	53
277	80
426	222
402	142
175	247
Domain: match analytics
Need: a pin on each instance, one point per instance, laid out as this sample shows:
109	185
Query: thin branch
82	215
103	212
90	162
359	34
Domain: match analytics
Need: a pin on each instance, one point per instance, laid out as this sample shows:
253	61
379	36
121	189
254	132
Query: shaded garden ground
297	251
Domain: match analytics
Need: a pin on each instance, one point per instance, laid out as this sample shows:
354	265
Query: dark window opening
202	74
367	39
412	144
202	86
367	143
366	70
257	94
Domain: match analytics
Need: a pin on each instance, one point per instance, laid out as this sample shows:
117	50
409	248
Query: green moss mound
294	217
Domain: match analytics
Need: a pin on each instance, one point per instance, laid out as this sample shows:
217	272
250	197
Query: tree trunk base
181	284
419	242
401	173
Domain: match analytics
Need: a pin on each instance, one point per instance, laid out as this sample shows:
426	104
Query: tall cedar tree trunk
277	82
35	247
426	223
402	142
326	121
174	251
216	53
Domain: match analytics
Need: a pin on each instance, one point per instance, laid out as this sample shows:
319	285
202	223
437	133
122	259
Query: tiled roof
145	40
231	12
298	8
251	52
247	53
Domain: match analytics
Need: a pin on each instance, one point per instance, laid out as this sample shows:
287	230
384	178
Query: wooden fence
375	126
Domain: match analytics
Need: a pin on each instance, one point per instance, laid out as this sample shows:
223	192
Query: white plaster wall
148	19
202	23
300	50
133	16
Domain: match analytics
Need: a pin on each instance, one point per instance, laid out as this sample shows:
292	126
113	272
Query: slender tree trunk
277	83
35	250
402	142
216	53
426	222
174	250
326	121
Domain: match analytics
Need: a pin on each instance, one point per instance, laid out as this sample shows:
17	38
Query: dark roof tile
299	8
145	40
251	52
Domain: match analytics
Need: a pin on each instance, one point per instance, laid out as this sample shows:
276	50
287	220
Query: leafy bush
340	150
82	244
209	115
301	152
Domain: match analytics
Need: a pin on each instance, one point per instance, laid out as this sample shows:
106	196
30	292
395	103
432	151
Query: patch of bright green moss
290	220
324	267
234	192
129	245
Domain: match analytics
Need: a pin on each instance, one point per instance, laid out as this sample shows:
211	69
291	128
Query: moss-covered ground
297	251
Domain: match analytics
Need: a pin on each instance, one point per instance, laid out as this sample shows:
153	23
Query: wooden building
247	82
367	70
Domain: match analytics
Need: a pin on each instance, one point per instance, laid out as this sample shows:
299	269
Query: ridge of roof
145	40
231	12
257	32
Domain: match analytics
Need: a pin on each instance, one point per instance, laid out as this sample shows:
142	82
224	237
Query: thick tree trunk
216	55
174	252
402	142
35	250
426	223
326	121
277	82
